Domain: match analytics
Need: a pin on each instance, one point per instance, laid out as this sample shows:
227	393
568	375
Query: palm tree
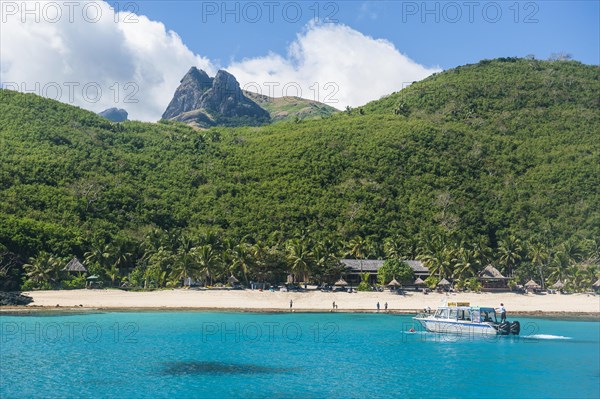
113	273
538	255
572	251
206	259
159	264
357	248
510	251
211	238
482	251
559	265
364	282
119	255
592	249
171	239
321	255
441	263
185	264
372	248
393	248
411	247
42	269
435	253
239	257
99	254
112	258
466	263
591	272
153	240
300	258
579	277
259	252
449	260
326	262
432	262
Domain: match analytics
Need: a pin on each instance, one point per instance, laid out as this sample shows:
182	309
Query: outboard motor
515	328
504	328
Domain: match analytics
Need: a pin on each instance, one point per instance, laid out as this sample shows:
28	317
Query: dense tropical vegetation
489	163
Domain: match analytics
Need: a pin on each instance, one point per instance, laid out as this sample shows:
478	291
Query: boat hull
456	327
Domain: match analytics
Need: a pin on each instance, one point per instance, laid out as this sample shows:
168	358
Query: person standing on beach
502	311
378	306
385	306
291	304
333	305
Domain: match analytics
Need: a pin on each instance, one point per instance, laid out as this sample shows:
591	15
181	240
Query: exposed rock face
205	102
114	114
189	93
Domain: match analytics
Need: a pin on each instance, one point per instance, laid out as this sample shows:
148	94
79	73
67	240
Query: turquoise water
229	355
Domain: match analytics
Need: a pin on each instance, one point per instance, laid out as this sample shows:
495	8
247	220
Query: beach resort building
355	267
492	280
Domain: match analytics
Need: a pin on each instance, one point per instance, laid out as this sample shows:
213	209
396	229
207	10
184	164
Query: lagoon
316	355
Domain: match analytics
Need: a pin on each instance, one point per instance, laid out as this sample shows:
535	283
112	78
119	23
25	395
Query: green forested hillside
488	158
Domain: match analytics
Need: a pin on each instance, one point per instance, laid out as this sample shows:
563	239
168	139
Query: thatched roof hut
533	285
444	283
559	285
75	265
491	278
419	281
232	280
491	273
341	283
394	283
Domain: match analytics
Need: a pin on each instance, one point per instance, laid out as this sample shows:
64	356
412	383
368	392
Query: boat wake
545	336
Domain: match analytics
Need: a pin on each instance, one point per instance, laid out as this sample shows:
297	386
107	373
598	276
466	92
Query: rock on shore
14	299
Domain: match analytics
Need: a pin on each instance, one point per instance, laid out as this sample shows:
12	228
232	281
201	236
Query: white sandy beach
309	301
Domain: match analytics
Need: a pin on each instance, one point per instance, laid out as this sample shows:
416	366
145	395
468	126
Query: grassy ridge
291	108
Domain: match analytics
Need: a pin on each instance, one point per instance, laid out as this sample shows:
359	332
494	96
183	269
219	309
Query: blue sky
444	34
134	54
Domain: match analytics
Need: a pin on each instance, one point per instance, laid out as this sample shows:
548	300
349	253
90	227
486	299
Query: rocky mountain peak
189	93
205	101
114	114
225	80
199	78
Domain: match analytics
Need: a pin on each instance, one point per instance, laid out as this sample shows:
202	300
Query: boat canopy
468	313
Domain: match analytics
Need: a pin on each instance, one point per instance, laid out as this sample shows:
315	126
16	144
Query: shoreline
33	310
253	301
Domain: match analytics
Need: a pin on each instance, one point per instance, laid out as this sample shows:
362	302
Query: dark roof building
373	265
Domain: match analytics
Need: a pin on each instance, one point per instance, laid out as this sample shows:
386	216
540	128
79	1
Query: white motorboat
461	318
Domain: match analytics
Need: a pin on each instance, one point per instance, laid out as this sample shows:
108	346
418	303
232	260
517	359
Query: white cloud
349	68
131	58
69	53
